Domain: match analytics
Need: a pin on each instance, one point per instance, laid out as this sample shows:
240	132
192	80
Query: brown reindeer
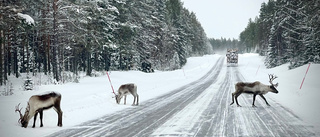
37	104
255	88
126	89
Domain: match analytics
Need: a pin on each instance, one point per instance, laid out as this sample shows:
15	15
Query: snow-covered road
215	117
200	108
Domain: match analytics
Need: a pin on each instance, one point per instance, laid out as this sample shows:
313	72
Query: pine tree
292	36
272	58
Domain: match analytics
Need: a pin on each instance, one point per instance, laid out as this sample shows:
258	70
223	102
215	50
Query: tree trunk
1	58
55	44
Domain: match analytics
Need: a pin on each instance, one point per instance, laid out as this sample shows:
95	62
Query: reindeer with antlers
255	88
37	104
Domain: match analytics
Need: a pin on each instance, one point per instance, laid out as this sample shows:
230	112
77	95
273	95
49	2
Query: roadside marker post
111	83
257	70
183	72
305	76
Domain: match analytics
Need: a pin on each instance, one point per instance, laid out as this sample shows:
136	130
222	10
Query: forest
221	45
57	36
286	31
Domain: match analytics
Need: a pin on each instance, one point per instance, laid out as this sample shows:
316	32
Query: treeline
286	31
96	35
223	44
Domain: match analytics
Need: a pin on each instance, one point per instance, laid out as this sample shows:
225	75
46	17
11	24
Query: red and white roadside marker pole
183	72
257	70
111	83
305	75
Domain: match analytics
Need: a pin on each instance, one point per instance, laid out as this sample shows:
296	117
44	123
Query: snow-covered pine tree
28	83
272	58
311	37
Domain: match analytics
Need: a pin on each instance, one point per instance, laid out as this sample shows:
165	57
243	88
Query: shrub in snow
28	84
7	90
95	73
76	79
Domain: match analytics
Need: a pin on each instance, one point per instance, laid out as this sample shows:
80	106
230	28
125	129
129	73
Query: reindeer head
23	120
118	98
273	86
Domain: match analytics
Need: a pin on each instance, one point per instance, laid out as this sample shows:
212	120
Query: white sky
224	18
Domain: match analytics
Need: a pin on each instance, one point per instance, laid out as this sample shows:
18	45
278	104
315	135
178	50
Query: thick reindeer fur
255	88
38	103
126	89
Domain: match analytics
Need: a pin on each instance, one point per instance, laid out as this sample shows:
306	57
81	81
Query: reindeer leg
232	99
34	120
125	99
137	99
41	116
264	99
59	111
60	119
254	99
134	100
236	97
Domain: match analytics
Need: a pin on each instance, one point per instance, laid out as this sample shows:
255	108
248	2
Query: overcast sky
224	18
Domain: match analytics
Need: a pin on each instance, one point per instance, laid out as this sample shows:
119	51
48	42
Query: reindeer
37	104
126	89
255	88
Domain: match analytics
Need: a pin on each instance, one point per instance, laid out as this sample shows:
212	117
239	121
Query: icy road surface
198	109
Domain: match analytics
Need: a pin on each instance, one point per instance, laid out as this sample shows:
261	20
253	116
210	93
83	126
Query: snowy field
92	97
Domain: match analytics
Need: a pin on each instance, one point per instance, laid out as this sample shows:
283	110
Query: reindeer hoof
231	103
239	106
254	106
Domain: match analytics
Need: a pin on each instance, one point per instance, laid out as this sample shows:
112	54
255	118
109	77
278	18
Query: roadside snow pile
303	102
93	97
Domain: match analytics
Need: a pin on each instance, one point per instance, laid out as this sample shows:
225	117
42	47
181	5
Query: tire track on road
144	119
221	119
218	118
274	120
218	114
188	120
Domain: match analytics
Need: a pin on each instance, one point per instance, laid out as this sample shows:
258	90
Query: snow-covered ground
303	102
92	97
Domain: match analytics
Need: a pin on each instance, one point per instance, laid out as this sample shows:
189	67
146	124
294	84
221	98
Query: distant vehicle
232	57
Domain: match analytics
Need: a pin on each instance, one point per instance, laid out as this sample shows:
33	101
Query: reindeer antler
271	78
19	110
28	108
